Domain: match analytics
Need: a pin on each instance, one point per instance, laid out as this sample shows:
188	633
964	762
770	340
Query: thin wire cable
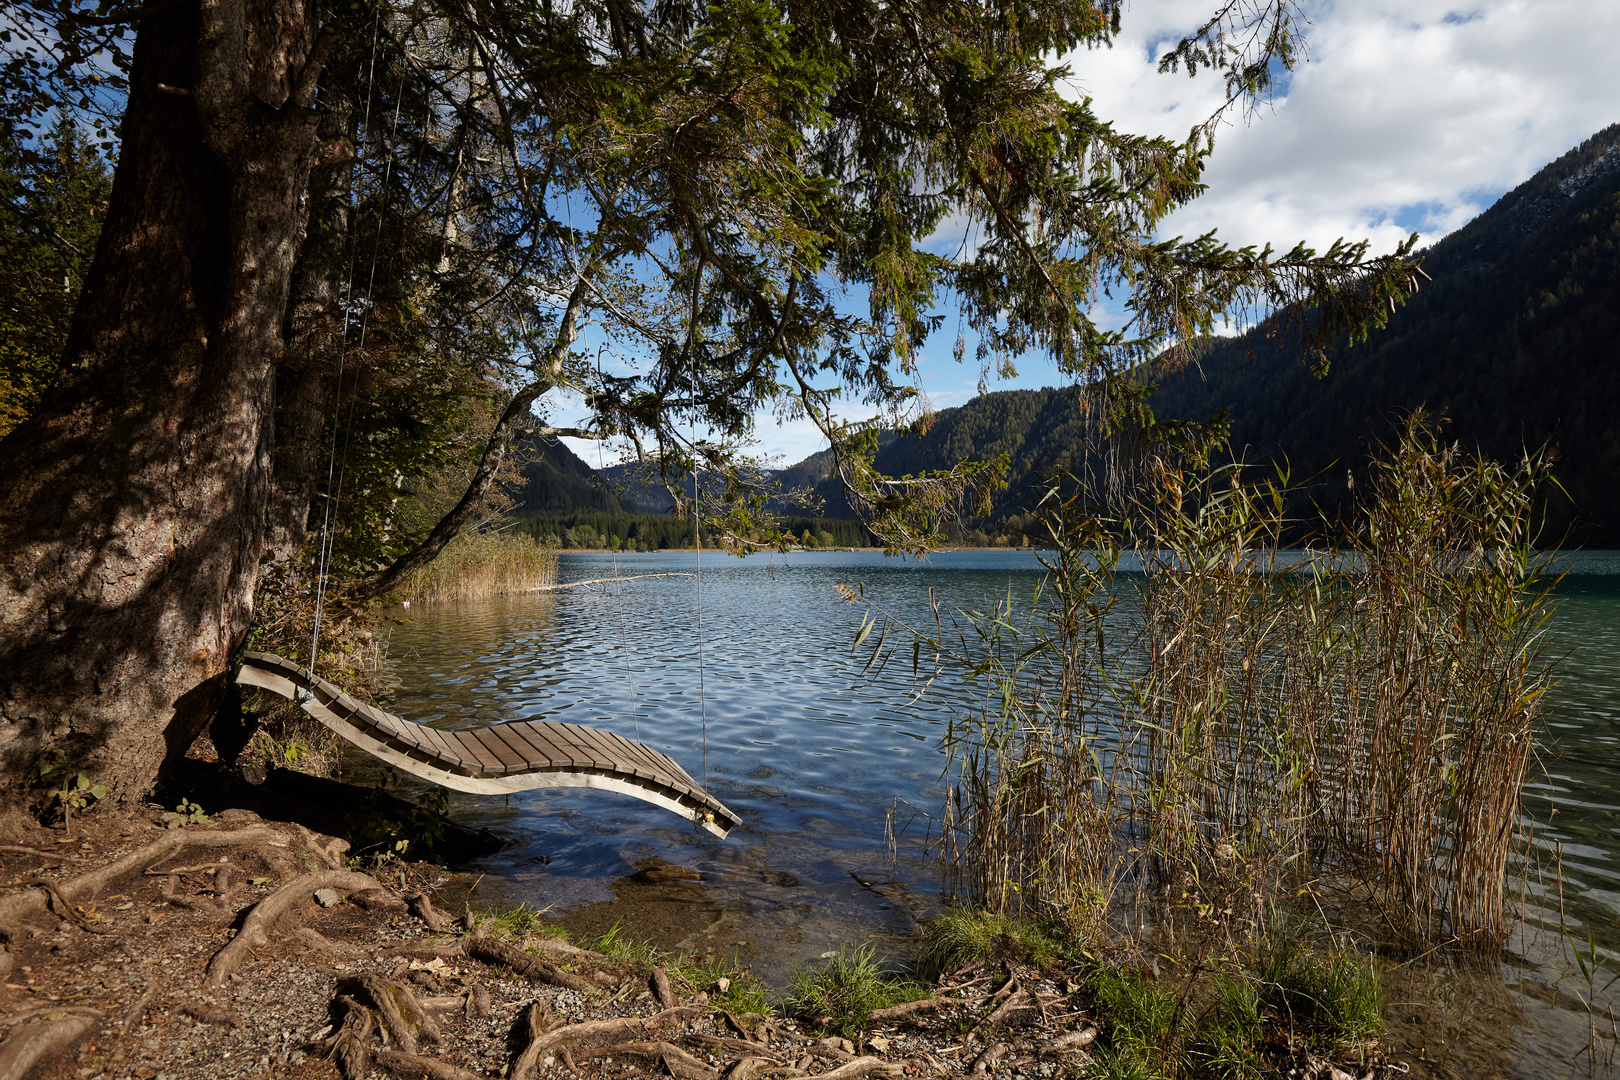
328	536
324	547
697	543
618	589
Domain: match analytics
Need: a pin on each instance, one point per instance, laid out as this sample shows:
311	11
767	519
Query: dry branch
264	914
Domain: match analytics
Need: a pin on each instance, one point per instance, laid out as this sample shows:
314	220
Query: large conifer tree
701	181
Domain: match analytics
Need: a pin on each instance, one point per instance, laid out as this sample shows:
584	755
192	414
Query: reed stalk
478	566
1230	719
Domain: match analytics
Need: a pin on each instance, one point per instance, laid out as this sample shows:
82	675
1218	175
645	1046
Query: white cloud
1407	116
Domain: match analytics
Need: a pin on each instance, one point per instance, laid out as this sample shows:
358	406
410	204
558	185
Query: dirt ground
148	947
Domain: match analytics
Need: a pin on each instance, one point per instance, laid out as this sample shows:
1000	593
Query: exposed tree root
402	1014
210	1014
17	907
861	1066
40	1034
137	1012
529	966
255	929
350	1046
401	1063
423	909
593	1032
661	988
678	1062
536	1022
912	1008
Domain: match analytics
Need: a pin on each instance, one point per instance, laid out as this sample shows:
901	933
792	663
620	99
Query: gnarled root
14	909
401	1063
263	916
41	1034
530	967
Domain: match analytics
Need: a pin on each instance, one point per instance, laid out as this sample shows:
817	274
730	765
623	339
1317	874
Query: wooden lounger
500	758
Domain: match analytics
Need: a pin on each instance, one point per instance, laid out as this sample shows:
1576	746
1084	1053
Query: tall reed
1226	716
476	566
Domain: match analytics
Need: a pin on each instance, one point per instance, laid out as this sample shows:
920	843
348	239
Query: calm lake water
814	753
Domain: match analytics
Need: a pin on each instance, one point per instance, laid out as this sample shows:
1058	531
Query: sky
1405	116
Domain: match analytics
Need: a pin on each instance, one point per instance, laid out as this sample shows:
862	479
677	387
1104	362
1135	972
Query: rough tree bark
135	499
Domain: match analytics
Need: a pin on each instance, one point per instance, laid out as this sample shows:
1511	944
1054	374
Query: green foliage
52	201
657	532
1176	724
521	920
186	813
380	821
840	993
73	791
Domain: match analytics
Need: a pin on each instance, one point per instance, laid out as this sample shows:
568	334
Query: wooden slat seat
497	759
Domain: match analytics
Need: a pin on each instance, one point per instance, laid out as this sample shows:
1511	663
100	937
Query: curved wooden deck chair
497	759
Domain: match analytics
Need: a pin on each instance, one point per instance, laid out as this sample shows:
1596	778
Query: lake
763	699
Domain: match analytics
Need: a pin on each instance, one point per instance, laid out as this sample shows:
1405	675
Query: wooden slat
577	753
602	755
594	746
541	747
526	754
475	751
509	758
640	756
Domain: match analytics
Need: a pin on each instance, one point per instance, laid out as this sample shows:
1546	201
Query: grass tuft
963	935
840	995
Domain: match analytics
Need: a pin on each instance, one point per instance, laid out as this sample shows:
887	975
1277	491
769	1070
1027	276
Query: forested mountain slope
1516	341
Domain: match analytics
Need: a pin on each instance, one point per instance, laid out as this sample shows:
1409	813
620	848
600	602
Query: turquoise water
816	754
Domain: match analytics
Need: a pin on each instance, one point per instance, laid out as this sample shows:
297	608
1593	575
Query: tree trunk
135	499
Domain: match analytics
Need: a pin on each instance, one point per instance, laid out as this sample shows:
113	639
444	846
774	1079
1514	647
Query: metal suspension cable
618	589
333	495
697	543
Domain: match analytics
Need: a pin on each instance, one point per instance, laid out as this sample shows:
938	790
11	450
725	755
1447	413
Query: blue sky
1406	117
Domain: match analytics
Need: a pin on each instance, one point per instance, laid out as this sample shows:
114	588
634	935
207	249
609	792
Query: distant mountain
1516	341
555	479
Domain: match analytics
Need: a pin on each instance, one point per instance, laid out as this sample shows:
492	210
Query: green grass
1327	1001
521	920
841	994
962	935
